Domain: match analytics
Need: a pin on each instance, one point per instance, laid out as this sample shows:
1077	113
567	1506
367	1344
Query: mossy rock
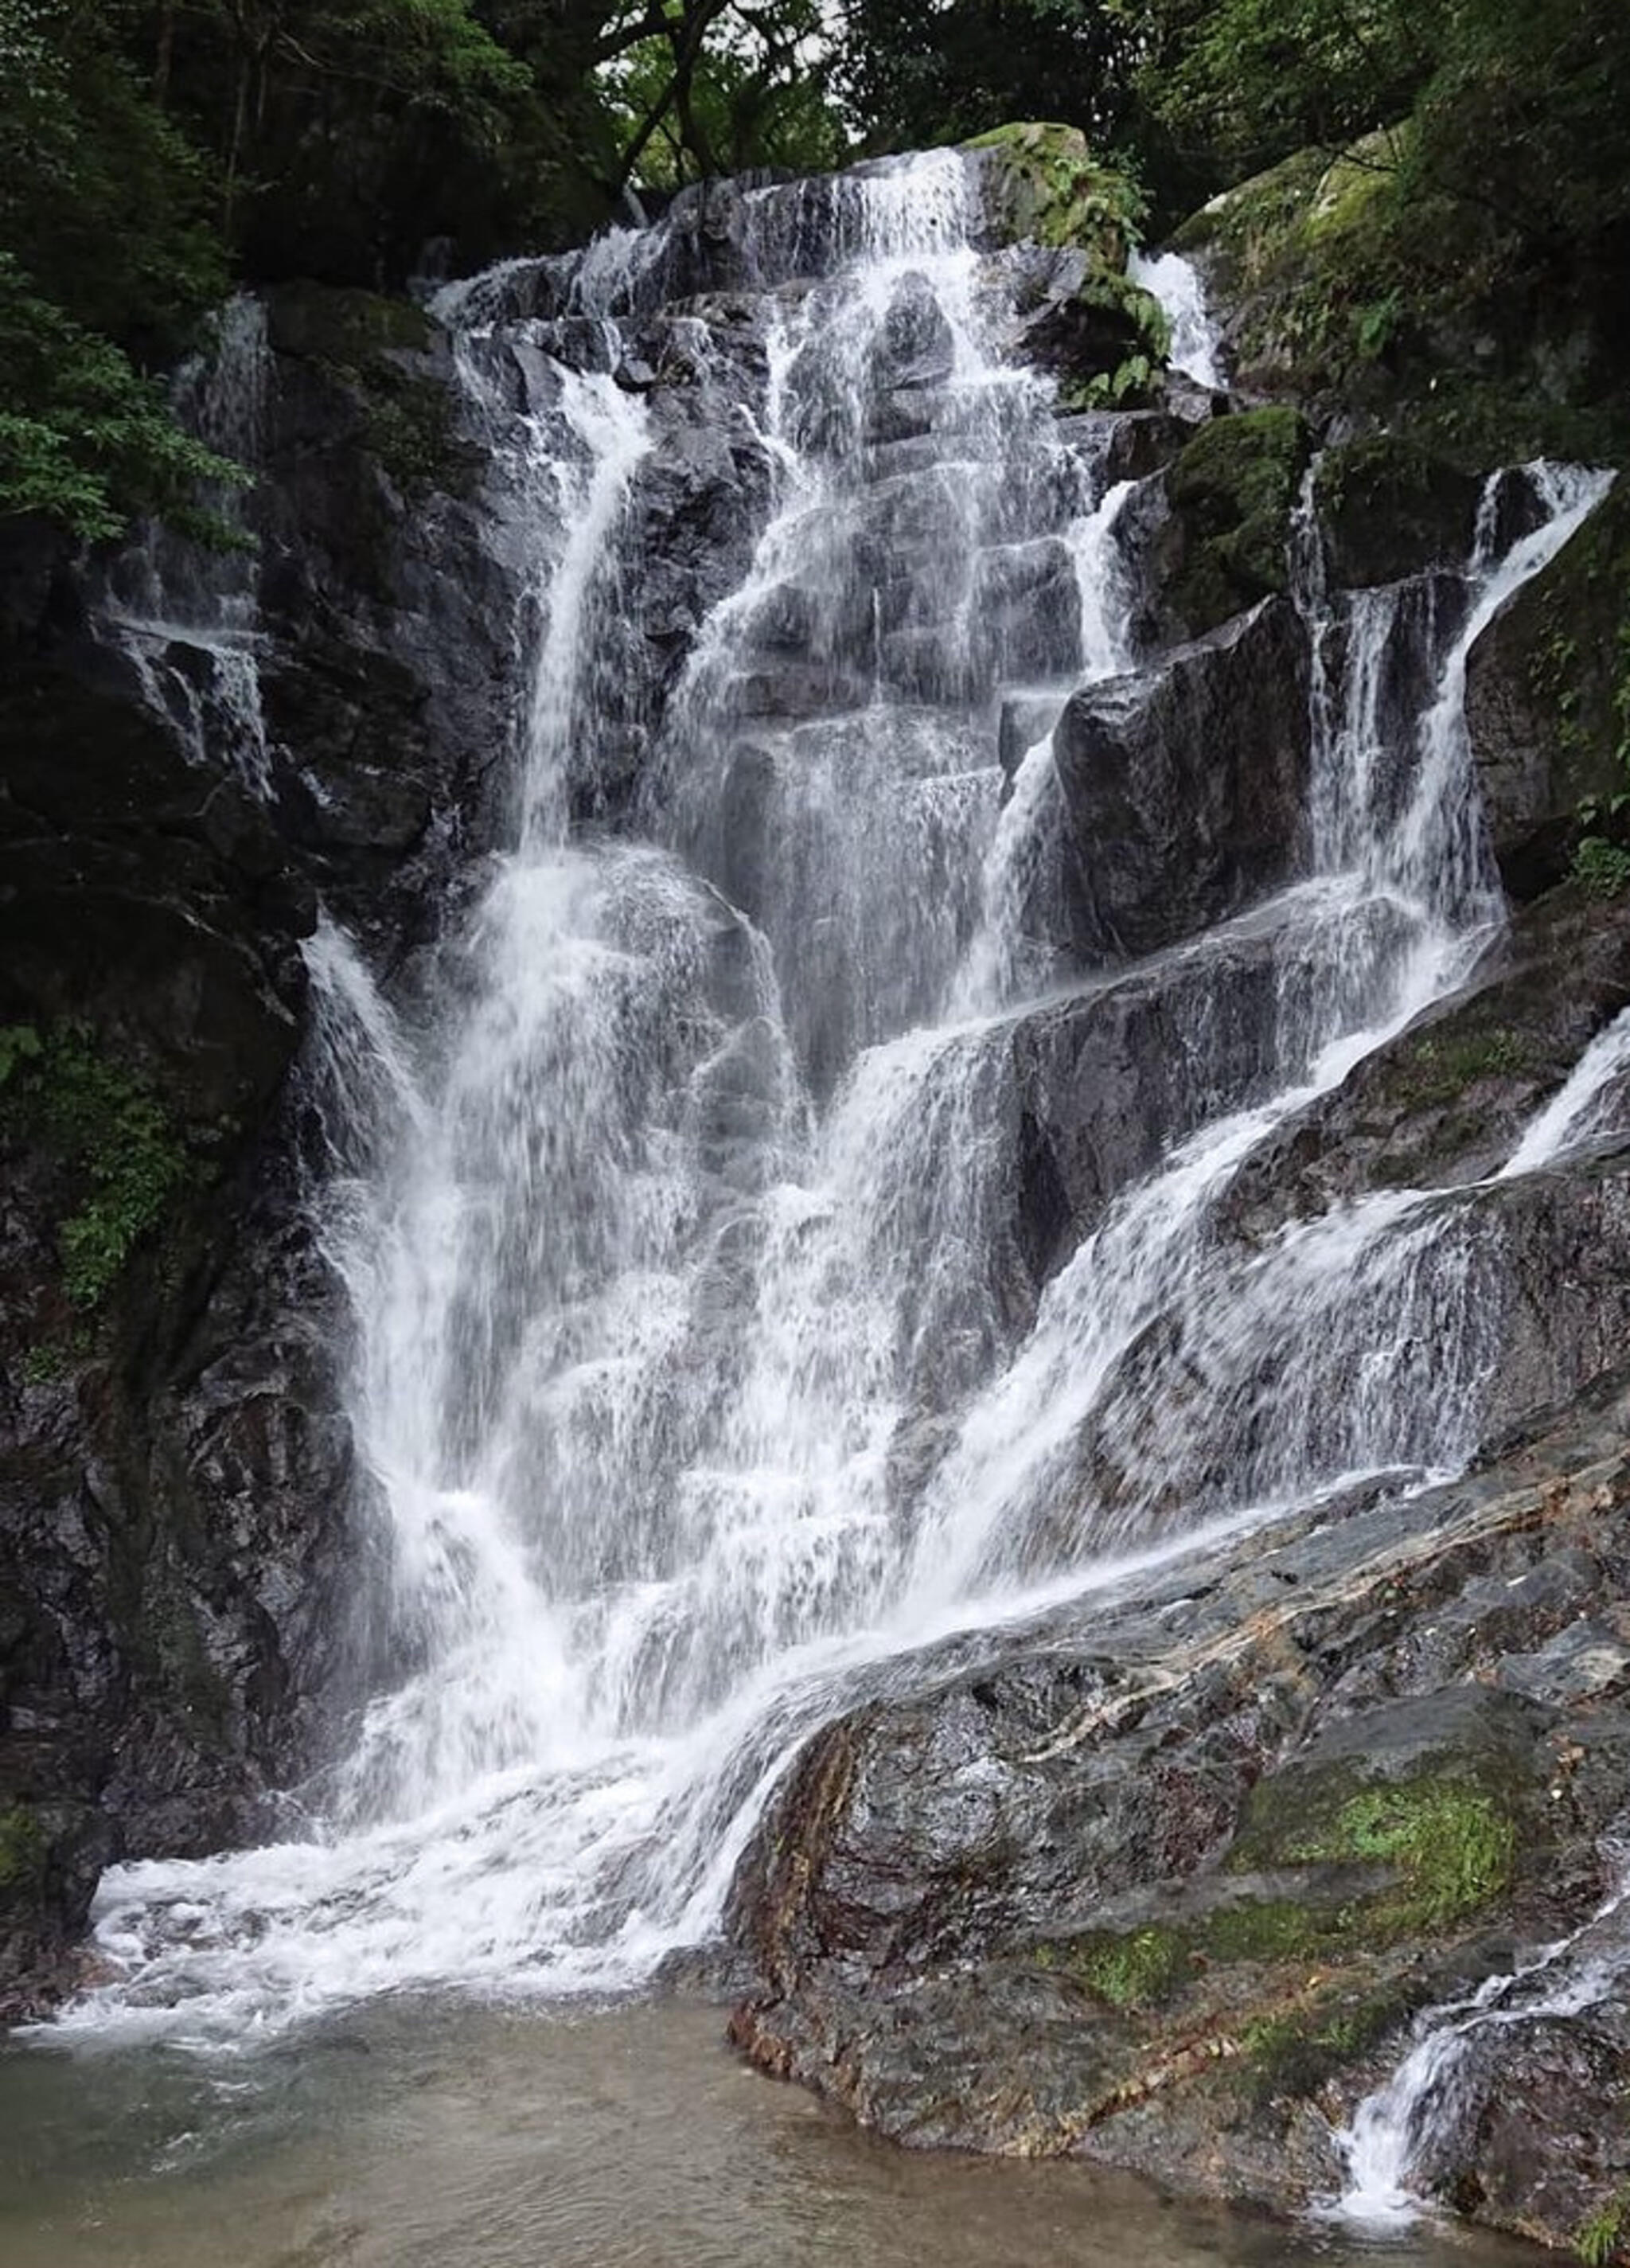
1108	343
1390	507
1232	491
1301	253
1439	1796
1361	282
1358	1873
1428	1069
1042	186
119	1163
1548	710
25	1849
1297	2053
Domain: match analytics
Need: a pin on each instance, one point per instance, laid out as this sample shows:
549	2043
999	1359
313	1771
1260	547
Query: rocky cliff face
1163	1877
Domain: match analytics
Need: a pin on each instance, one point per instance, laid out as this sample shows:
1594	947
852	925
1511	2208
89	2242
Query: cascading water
698	1371
1175	282
1392	2131
185	617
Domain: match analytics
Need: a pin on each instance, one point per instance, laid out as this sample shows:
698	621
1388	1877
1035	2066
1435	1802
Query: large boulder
1166	1895
1184	788
1390	508
1039	183
1225	542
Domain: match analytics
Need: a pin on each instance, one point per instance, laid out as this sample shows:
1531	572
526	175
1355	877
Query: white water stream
1175	282
696	1376
188	618
1391	2132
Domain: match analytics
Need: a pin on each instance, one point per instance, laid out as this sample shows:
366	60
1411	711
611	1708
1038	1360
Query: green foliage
1257	79
744	93
83	438
115	1143
19	1043
1051	189
1601	868
44	1362
1141	323
1459	225
105	204
1598	2240
915	75
22	1851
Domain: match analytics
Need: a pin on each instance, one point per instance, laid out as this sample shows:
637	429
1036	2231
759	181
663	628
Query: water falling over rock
801	1214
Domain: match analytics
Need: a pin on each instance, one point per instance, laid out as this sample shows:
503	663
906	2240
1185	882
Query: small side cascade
1196	345
1586	1105
188	618
1389	2146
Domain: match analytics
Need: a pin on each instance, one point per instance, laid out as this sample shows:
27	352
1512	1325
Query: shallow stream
424	2135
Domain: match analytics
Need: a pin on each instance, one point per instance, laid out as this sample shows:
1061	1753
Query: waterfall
702	1365
1196	350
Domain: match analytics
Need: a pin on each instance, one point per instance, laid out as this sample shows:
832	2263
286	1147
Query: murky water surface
423	2136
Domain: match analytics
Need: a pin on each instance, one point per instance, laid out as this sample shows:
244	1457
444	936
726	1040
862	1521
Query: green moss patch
1295	2053
119	1157
1141	1968
22	1852
1439	1069
1446	1837
1451	1847
1232	491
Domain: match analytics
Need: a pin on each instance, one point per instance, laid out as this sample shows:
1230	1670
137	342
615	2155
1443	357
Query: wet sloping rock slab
1444	1102
1162	1885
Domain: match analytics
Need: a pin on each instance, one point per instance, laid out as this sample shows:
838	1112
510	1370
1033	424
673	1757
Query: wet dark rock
171	1457
1127	445
1390	508
1163	1889
1230	495
1540	696
1186	789
916	348
143	895
1113	1078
